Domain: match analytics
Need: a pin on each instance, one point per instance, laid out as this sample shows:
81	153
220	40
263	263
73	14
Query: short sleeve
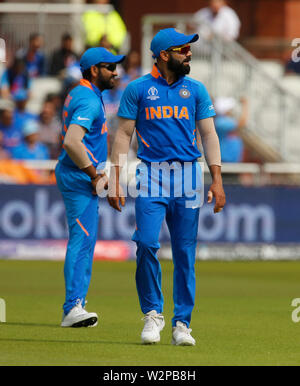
204	106
85	113
129	103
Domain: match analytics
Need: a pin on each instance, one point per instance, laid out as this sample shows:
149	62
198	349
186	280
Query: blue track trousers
82	216
182	222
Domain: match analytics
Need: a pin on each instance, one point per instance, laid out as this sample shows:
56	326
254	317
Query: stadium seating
272	105
292	83
40	88
273	68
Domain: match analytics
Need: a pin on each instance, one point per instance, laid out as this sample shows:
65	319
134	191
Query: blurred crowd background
33	134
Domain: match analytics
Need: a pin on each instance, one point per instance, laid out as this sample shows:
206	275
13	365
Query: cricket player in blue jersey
84	135
166	108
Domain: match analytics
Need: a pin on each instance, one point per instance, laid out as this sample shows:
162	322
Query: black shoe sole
86	323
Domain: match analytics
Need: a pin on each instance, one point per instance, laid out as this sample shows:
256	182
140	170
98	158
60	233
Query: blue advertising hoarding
252	215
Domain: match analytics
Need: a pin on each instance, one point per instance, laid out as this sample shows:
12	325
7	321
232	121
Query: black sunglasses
110	66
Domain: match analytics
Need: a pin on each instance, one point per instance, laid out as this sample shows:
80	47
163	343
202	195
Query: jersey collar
155	72
88	84
157	75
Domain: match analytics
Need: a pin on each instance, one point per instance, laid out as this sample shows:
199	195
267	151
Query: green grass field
242	316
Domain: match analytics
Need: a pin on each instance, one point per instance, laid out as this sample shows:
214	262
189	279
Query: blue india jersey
166	116
84	106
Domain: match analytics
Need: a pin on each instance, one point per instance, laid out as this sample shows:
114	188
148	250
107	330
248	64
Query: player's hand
216	191
99	184
115	197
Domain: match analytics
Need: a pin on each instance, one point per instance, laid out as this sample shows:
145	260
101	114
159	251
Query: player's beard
179	68
105	83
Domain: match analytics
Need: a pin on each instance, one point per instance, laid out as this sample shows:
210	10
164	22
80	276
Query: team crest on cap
153	93
184	93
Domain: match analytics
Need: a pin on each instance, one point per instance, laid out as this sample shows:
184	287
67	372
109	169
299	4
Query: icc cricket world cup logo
153	93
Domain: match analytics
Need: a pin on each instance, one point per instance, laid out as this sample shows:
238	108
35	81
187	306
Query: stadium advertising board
253	215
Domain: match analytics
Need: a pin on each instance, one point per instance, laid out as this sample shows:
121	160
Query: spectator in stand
105	43
63	57
30	148
11	131
292	67
71	80
227	127
14	79
50	129
131	68
64	63
4	154
55	98
57	101
33	56
218	18
21	114
97	24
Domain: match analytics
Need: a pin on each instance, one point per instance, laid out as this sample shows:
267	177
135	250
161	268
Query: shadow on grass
57	326
31	324
79	342
66	341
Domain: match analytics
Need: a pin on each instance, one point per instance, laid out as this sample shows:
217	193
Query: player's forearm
210	142
75	149
215	172
90	171
122	142
120	148
118	158
119	155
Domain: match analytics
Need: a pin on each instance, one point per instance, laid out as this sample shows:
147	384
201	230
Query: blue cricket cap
30	127
20	95
96	55
169	37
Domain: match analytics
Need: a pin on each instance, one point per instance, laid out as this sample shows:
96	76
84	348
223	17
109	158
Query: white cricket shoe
79	317
181	335
154	323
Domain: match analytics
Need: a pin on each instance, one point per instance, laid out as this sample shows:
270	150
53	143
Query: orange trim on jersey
82	227
194	137
68	100
86	83
155	72
142	139
90	153
104	128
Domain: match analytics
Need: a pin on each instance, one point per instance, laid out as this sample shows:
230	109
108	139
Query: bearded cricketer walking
84	135
167	108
